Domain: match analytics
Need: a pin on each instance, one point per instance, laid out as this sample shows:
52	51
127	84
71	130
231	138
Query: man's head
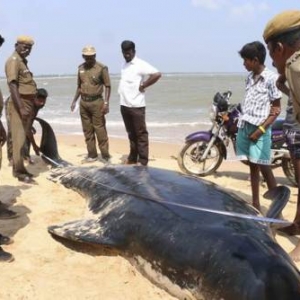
24	45
282	36
89	55
40	98
254	55
128	50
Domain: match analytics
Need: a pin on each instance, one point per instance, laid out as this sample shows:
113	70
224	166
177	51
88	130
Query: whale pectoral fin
280	196
87	231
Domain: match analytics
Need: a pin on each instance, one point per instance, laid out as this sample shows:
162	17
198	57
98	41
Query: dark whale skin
203	255
48	146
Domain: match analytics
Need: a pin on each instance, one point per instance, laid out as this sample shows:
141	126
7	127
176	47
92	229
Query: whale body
190	253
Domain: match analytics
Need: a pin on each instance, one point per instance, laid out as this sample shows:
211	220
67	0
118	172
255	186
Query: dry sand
47	269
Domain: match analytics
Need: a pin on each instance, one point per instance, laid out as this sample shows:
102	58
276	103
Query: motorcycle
204	151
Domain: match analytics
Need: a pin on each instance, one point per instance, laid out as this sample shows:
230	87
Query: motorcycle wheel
189	159
288	170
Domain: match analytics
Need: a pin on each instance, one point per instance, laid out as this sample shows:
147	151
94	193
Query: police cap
286	21
25	39
88	50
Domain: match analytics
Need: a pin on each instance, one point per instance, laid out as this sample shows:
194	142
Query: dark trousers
135	123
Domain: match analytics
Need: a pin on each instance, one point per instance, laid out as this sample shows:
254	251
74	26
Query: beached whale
190	253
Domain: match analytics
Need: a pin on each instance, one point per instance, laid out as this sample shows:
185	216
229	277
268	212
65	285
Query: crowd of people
260	107
93	89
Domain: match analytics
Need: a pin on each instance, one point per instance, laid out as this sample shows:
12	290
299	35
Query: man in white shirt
136	76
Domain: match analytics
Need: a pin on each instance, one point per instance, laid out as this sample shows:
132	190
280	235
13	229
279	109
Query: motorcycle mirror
217	98
222	105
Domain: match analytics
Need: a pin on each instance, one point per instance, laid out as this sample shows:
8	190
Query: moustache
25	52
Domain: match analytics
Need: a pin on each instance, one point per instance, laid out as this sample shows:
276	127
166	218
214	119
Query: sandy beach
47	269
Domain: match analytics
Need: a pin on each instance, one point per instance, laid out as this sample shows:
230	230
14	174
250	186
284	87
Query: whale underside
193	254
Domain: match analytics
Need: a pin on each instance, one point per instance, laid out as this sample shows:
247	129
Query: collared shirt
292	72
16	69
91	80
133	74
259	95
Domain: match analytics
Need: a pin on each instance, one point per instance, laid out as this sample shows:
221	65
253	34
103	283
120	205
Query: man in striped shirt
260	108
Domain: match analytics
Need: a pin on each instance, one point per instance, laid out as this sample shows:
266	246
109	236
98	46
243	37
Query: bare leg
296	163
254	177
295	254
294	228
268	175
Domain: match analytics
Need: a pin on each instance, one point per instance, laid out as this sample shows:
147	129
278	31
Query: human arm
30	136
153	78
18	103
105	108
77	93
281	85
76	96
261	129
107	89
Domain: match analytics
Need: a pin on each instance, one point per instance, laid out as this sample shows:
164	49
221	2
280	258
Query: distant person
22	89
136	76
92	80
282	36
38	103
4	240
260	108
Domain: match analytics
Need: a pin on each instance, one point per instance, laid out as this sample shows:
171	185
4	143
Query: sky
172	35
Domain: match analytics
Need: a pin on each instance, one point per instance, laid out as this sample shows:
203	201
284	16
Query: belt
27	96
90	98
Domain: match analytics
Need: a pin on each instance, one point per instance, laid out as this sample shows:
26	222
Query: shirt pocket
261	89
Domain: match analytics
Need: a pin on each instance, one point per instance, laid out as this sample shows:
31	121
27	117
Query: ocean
178	104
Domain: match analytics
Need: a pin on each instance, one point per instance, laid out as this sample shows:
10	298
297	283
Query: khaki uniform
16	70
292	71
91	82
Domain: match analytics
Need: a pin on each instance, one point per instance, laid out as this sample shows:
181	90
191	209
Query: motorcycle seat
278	124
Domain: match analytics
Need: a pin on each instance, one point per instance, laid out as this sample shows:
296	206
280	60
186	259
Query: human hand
105	109
142	88
73	106
24	113
255	135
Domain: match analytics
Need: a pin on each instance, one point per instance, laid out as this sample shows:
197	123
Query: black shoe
5	256
7	213
5	240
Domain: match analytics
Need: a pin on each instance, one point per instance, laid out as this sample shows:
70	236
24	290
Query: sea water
177	105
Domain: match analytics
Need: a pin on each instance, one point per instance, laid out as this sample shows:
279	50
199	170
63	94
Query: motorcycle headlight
213	113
